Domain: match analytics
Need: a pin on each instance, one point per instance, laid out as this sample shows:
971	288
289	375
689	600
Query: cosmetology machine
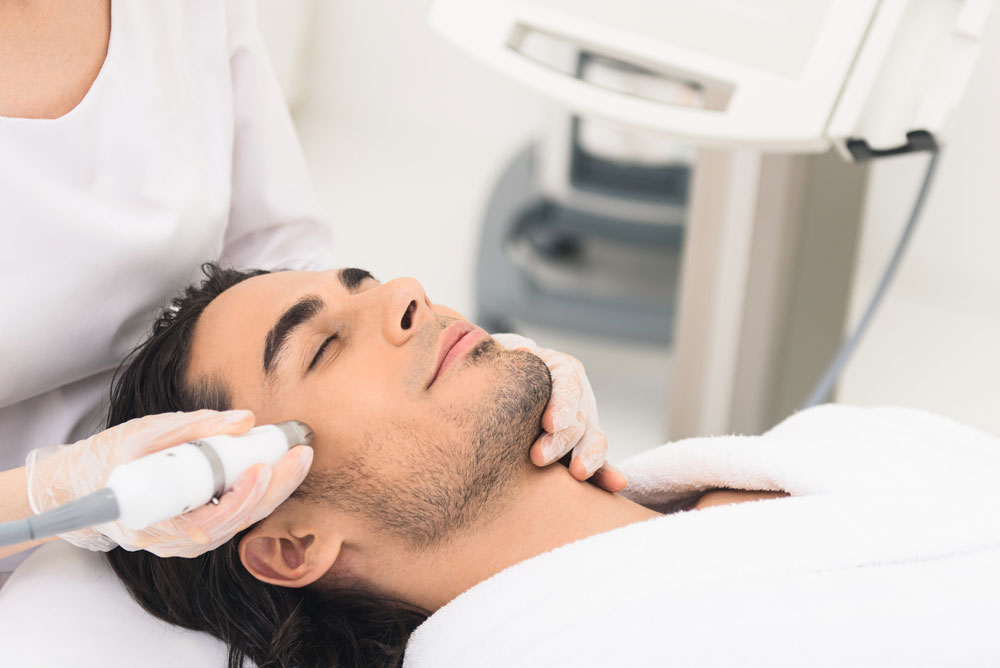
702	182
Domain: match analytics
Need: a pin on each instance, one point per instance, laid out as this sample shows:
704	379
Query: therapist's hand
570	419
65	472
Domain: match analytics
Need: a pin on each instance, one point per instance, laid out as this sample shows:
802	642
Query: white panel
781	64
770	35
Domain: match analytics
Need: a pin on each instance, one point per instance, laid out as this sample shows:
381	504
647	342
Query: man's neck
548	510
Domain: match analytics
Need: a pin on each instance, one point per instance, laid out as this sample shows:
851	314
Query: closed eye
322	349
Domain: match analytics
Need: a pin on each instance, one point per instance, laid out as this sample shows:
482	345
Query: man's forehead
232	328
264	296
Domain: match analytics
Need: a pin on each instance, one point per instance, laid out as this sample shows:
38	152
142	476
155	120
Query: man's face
420	418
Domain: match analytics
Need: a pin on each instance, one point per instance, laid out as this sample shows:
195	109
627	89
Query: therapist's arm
14	506
274	219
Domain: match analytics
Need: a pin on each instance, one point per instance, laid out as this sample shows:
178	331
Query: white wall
936	343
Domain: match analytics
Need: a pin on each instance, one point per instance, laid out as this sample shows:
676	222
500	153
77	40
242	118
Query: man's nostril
407	320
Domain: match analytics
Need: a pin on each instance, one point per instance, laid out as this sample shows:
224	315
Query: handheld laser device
165	484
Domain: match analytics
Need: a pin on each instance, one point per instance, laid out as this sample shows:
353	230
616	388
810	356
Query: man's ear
281	554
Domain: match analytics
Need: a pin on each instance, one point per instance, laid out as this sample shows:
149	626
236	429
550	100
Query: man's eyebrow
352	277
300	312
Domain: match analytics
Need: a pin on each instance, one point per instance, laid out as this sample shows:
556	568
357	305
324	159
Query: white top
181	152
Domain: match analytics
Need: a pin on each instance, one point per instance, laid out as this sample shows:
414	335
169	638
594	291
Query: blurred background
406	138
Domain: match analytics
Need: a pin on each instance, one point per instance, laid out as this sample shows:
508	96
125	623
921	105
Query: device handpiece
164	484
174	481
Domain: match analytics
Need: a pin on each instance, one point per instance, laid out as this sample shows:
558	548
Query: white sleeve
274	218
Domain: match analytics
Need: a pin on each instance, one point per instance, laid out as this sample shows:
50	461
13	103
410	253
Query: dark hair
275	627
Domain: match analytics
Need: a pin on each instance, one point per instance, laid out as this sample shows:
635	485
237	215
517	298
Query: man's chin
522	392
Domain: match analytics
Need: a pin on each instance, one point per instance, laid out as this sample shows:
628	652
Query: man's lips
458	338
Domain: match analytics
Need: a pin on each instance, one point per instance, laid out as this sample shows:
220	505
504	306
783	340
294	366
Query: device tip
298	432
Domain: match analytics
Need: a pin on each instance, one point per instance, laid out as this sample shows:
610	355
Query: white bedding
64	608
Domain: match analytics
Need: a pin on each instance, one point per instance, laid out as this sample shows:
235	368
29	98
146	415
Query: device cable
822	390
96	508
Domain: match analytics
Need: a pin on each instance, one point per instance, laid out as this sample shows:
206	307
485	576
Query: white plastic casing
781	64
162	485
238	453
788	76
174	481
911	72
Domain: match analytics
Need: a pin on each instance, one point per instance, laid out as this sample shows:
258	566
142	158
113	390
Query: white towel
825	449
845	576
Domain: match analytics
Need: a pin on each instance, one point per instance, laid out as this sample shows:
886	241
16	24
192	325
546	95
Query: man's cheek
359	399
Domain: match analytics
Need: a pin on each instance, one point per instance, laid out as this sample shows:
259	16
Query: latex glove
570	419
62	473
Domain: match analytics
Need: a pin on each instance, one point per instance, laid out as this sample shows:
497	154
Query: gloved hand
570	419
62	473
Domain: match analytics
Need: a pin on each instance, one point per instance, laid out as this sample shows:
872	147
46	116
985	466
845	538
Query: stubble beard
456	481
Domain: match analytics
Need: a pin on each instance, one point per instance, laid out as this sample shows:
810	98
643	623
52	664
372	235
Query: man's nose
405	311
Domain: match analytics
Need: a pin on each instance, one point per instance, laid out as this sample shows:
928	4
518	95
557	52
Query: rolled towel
822	450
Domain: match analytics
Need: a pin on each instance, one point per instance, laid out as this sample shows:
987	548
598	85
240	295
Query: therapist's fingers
255	495
589	454
158	432
569	386
609	478
288	475
569	382
552	447
61	473
570	419
212	521
180	537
